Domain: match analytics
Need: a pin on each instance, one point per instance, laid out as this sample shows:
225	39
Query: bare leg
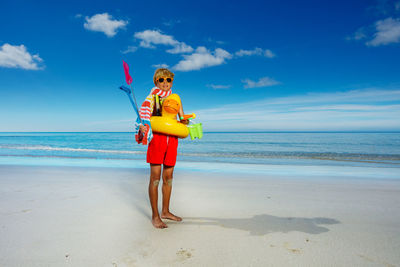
155	172
167	176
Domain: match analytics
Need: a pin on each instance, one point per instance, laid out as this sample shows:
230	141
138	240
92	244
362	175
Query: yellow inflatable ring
167	123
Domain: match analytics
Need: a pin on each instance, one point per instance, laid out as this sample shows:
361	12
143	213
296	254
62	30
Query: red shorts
162	149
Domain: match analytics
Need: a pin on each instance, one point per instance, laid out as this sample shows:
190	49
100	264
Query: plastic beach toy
167	123
196	131
188	116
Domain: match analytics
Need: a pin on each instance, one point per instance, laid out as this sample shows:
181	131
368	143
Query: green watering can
195	130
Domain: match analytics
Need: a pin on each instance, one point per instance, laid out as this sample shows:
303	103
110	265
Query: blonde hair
162	73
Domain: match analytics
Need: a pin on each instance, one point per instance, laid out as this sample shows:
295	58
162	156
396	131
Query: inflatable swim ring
167	123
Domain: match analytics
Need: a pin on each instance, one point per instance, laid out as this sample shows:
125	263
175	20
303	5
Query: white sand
69	216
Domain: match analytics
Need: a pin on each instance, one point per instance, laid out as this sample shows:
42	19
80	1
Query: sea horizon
278	131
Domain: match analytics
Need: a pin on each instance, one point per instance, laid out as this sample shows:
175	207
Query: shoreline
280	170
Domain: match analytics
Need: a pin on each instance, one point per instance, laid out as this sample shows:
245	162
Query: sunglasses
161	80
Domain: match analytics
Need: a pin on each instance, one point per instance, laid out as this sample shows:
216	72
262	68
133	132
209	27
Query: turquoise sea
285	152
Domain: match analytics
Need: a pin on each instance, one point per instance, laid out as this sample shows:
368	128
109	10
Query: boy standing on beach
162	150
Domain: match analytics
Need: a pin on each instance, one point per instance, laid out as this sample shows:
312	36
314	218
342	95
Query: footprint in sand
293	250
372	260
128	261
184	254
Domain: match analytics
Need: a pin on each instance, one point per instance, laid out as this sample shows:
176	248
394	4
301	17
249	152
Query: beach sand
71	216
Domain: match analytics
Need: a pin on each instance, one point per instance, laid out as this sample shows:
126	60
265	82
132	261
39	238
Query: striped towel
145	112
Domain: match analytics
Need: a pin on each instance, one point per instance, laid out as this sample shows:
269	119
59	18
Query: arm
181	114
145	112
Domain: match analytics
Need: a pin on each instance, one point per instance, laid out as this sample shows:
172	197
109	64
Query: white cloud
193	60
219	86
255	52
130	49
358	35
268	53
387	31
202	58
262	82
180	48
353	96
163	65
209	39
352	107
104	23
150	38
171	23
368	109
18	57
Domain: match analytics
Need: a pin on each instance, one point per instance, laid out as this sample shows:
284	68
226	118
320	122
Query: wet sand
71	216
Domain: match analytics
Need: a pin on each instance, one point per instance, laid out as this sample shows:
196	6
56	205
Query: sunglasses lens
161	80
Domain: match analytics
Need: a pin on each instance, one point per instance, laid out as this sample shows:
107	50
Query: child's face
163	83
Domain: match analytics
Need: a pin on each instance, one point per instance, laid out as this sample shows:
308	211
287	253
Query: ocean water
259	152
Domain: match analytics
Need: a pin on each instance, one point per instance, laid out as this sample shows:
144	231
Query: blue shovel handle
128	92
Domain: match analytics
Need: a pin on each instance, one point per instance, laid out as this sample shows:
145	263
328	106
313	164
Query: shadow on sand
264	224
135	192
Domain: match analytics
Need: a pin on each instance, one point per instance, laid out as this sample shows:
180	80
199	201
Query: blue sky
239	65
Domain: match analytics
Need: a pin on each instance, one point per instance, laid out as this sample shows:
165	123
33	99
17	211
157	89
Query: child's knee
154	179
155	182
167	179
168	182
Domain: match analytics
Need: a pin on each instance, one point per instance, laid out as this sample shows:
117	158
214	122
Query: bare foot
170	216
157	223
